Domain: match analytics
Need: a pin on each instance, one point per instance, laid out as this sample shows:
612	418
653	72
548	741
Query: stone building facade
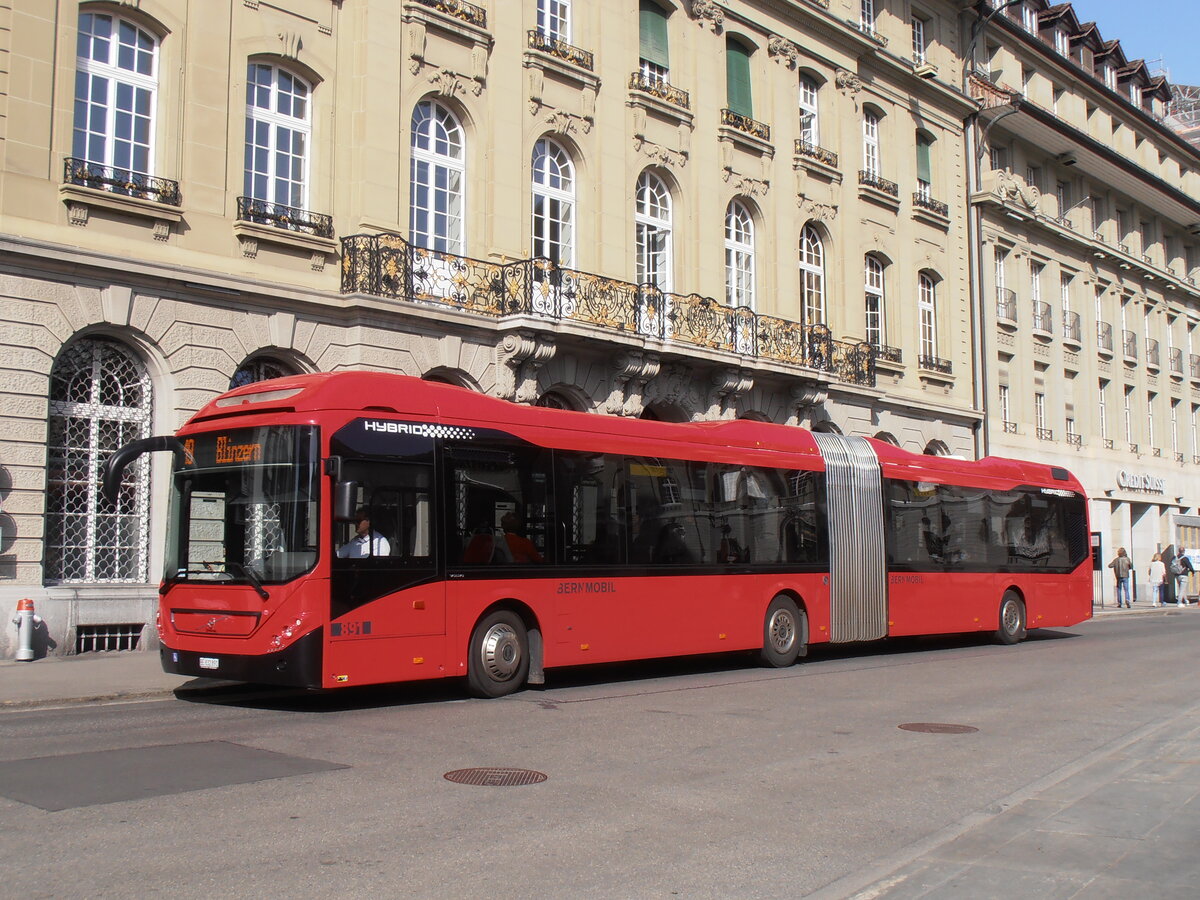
1089	260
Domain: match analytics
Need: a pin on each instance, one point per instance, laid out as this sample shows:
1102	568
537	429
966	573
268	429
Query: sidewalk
93	677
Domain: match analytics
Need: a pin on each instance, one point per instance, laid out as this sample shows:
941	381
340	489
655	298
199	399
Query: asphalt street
1073	773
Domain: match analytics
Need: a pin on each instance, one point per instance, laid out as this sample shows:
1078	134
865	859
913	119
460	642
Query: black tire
498	657
1011	628
784	629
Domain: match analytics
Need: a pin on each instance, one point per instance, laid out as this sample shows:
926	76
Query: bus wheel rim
782	631
1012	617
501	652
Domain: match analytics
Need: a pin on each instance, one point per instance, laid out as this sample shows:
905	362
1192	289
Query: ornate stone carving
77	213
451	84
729	385
809	395
782	51
848	83
708	15
1012	188
290	44
632	369
744	184
416	40
566	123
658	153
676	385
820	212
522	353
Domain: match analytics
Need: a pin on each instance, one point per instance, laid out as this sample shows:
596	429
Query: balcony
1043	320
1072	331
1006	307
746	125
285	218
124	182
559	49
874	181
458	9
1175	362
1156	453
1104	339
1129	347
387	265
1194	367
935	364
1109	444
1179	457
1152	356
867	31
1075	440
885	353
88	186
656	87
1045	434
820	154
930	211
1010	427
1133	448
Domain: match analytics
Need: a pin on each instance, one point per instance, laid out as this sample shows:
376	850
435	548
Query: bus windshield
245	507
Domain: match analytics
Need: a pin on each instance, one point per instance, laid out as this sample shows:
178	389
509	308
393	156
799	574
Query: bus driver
365	542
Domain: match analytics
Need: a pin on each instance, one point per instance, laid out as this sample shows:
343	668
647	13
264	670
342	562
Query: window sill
566	71
446	22
80	200
929	217
746	141
251	233
814	166
878	197
661	109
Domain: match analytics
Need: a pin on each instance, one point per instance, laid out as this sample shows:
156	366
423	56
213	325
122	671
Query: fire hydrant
26	622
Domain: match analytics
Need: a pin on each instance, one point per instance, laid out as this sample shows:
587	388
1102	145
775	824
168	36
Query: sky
1150	30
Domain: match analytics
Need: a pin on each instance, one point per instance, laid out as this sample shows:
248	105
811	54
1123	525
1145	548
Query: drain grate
493	776
938	728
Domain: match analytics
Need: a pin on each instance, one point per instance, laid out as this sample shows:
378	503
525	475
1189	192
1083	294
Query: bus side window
499	503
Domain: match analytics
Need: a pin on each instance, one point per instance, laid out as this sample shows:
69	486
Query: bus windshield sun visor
122	457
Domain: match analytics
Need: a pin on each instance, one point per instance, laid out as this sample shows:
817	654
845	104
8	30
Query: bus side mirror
345	500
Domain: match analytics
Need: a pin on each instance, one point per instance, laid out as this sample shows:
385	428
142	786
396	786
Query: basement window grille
107	638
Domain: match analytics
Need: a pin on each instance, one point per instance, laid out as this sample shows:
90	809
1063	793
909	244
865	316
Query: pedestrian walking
1168	560
1180	568
1122	568
1158	579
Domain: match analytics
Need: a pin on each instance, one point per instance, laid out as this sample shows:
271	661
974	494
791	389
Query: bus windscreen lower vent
107	638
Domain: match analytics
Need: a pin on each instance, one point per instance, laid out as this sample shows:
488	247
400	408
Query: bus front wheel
783	632
1012	619
498	660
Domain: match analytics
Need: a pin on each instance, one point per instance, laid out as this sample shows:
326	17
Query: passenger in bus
1033	544
656	541
366	541
932	540
521	548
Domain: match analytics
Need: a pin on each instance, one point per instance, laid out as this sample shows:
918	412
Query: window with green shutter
653	32
924	168
737	76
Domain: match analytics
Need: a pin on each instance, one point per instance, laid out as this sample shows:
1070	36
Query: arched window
739	255
278	132
871	152
887	437
261	368
873	286
116	89
437	176
99	400
652	220
810	130
556	400
927	314
812	277
553	203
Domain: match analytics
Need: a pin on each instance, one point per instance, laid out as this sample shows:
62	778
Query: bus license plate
209	662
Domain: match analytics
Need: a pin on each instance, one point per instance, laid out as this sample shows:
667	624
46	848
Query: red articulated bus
359	528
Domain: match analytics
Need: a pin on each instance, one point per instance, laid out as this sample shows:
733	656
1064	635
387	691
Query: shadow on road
288	699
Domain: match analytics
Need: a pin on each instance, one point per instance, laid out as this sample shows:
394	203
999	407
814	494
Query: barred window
259	369
116	87
100	399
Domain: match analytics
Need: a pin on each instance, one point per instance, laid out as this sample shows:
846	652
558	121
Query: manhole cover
938	728
495	777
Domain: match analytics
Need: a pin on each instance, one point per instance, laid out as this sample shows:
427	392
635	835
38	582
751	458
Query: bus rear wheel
783	632
1012	619
498	659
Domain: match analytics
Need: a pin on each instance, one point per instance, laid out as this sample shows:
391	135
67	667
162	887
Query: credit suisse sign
1139	481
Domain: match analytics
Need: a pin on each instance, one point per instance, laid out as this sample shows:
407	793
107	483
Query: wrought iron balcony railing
1043	321
287	218
1108	444
387	265
873	180
1010	427
820	154
1129	345
1075	440
1156	453
1104	337
121	181
922	200
866	30
1006	305
538	40
1071	328
1152	352
1133	448
935	364
459	9
1194	366
745	124
1045	434
656	87
891	354
1178	457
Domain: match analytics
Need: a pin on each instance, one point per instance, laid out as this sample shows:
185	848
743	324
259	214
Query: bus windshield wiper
244	572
